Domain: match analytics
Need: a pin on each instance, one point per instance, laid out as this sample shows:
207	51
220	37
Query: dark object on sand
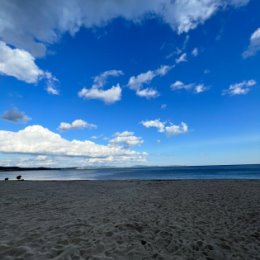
19	177
6	179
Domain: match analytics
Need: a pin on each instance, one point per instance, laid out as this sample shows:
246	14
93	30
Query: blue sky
157	83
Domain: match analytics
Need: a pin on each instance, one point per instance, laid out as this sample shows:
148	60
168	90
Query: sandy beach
130	220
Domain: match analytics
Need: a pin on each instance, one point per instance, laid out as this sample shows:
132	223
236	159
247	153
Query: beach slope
130	220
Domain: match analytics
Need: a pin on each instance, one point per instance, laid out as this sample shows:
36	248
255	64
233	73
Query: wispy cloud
101	80
254	45
138	82
76	124
195	52
167	128
180	85
196	88
147	93
241	88
14	115
97	91
182	58
163	106
52	90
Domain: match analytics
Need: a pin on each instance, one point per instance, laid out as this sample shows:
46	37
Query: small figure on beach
19	177
6	179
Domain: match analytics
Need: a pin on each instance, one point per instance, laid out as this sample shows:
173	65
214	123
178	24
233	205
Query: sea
247	172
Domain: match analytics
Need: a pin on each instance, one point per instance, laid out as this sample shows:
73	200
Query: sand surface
130	220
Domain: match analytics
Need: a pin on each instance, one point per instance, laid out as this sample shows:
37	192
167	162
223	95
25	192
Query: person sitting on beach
19	177
6	179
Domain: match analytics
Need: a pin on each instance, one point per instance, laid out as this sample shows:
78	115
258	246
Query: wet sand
130	220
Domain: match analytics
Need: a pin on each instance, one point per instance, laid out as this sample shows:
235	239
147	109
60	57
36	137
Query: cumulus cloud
241	88
176	129
97	91
154	123
196	88
21	65
126	139
37	140
167	128
76	124
109	96
254	45
14	115
53	18
181	58
138	82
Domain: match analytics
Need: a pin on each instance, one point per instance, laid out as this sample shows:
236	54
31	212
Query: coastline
134	219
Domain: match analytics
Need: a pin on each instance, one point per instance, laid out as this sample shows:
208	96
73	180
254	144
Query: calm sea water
144	173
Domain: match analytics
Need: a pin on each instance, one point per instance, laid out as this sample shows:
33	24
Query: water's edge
246	172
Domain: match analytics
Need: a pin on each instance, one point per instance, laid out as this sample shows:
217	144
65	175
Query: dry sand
130	220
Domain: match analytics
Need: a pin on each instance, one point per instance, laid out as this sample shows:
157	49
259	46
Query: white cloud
37	140
147	93
29	161
53	18
182	58
52	90
180	85
169	129
96	91
154	123
241	88
14	115
126	139
109	96
100	80
195	52
176	129
200	88
239	3
163	106
196	88
138	82
41	158
21	65
254	45
76	124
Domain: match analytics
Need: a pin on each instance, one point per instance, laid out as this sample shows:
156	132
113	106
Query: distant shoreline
16	168
6	169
